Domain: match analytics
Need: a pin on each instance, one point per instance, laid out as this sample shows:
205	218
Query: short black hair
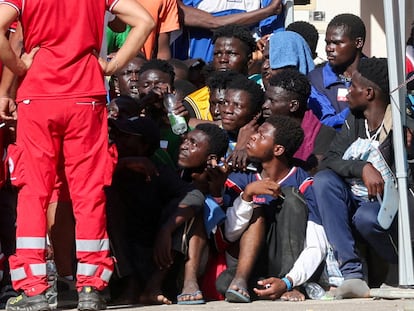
184	87
353	25
178	64
308	32
120	72
161	65
288	133
236	31
218	139
241	82
375	70
220	79
294	82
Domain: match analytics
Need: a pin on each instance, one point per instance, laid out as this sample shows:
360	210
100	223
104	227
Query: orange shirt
165	15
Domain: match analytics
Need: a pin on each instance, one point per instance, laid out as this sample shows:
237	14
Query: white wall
370	11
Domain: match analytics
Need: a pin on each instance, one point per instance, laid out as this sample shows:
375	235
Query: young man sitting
347	192
151	215
283	196
198	157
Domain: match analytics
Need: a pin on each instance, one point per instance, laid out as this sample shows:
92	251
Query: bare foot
154	298
152	295
293	295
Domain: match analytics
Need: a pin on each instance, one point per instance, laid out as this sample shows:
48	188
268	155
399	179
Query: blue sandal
191	302
233	295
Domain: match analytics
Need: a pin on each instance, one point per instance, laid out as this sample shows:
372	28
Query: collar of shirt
330	77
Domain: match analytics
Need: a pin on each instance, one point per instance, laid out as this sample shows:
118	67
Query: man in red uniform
61	107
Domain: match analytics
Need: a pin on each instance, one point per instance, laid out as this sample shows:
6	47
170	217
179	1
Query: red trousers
47	129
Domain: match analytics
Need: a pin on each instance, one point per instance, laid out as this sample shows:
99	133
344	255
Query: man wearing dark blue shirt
345	38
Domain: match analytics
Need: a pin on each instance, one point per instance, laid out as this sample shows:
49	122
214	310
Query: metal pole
396	77
289	12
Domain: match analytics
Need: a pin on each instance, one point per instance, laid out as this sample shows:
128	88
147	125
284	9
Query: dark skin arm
272	288
238	158
194	17
163	256
264	186
163	46
155	98
211	180
373	180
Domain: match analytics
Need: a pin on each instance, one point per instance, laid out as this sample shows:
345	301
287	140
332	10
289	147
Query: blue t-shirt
297	178
197	42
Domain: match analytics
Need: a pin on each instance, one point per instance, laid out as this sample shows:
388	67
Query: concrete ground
308	305
68	300
369	304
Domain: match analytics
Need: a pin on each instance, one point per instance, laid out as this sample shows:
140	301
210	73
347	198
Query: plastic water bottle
314	290
178	123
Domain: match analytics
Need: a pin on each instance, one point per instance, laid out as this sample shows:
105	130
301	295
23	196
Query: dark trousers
344	217
286	222
286	232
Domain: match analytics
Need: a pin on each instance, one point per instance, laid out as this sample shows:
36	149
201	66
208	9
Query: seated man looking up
151	217
283	196
198	157
347	192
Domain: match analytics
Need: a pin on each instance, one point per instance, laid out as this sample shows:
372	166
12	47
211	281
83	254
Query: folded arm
194	17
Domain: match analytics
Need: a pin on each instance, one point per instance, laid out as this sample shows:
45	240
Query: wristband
289	285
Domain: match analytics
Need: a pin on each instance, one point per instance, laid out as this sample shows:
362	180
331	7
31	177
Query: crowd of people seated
273	192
